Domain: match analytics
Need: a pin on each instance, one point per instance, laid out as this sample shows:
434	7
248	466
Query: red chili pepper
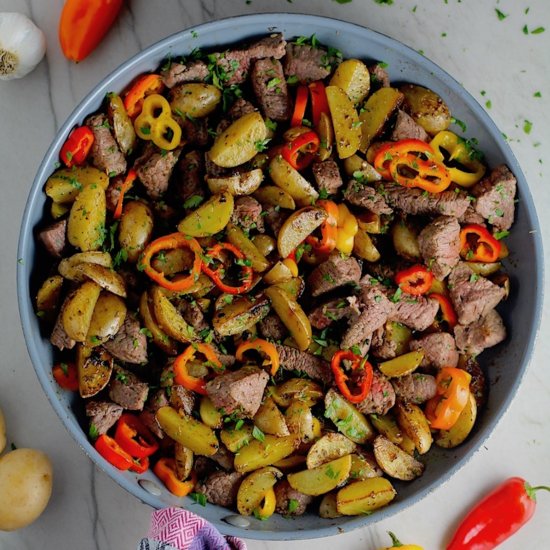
134	437
217	275
300	152
181	372
124	188
364	381
113	453
144	85
299	106
319	102
478	245
66	375
497	516
447	310
329	229
140	465
415	280
76	148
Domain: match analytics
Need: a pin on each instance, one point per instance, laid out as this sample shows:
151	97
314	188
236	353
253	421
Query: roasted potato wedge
326	137
135	229
364	247
327	507
78	310
355	164
195	99
159	337
264	243
254	488
65	184
300	389
345	121
297	227
328	448
258	454
399	334
209	218
414	423
270	419
68	266
59	210
271	195
407	444
236	236
169	319
121	123
86	225
107	318
243	183
94	370
405	240
387	426
105	277
484	269
299	420
457	434
323	479
426	108
47	298
402	364
363	497
174	261
291	463
294	287
352	76
239	315
209	414
184	461
235	440
279	273
394	461
364	466
291	181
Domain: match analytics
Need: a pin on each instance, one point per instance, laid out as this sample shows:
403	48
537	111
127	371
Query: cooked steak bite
247	213
363	195
182	399
415	388
189	181
471	216
103	415
105	153
239	391
221	488
284	493
270	87
275	218
418	202
325	314
304	362
439	244
148	414
336	271
179	73
381	397
382	347
272	327
223	458
306	63
416	312
129	344
126	389
439	349
59	338
472	295
327	176
192	314
406	127
495	197
240	108
484	333
154	168
379	76
54	238
478	383
194	132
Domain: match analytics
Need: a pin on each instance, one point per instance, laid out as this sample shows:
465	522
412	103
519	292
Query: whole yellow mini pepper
397	544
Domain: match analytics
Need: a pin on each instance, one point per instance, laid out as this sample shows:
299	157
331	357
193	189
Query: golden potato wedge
279	273
234	440
135	229
376	112
457	434
426	108
407	444
94	369
209	218
184	461
357	165
65	184
169	319
297	227
237	237
402	364
414	423
328	448
270	419
238	143
484	269
299	420
405	240
349	421
209	414
399	334
345	121
291	463
370	222
387	426
59	210
363	497
195	99
291	181
327	507
353	77
254	487
121	123
239	314
107	318
86	225
105	277
326	136
394	461
364	247
47	298
78	310
243	183
188	431
294	287
264	243
174	261
67	266
159	337
322	479
300	389
292	315
271	195
364	466
258	454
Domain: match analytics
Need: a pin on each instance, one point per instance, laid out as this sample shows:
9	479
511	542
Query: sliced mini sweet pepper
415	280
181	364
447	310
77	147
329	229
145	85
134	437
347	229
140	465
387	152
478	245
264	347
299	106
66	376
319	102
124	188
170	242
215	253
113	453
300	152
155	123
362	375
165	470
267	506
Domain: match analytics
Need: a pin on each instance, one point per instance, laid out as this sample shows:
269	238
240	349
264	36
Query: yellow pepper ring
347	229
155	102
160	129
457	150
155	122
267	507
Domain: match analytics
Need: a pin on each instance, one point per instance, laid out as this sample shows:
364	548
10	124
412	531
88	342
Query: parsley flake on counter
527	126
501	16
387	2
538	30
537	94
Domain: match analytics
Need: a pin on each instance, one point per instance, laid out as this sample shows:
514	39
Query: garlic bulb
22	45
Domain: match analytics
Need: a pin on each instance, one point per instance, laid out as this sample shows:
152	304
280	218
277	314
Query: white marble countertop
89	511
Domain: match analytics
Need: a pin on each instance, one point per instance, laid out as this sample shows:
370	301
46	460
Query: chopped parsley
474	277
396	296
261	144
193	201
527	126
387	2
501	16
258	434
292	502
199	498
501	235
93	434
459	123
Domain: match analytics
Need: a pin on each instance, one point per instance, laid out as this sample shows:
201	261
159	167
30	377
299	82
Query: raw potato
457	434
68	266
405	241
327	508
238	143
235	440
270	419
160	338
243	183
302	389
209	414
47	298
105	277
184	461
426	108
291	181
353	77
299	420
363	497
135	229
78	310
254	488
26	478
271	195
414	423
107	318
195	99
123	129
65	184
188	431
2	432
394	461
345	120
297	227
402	364
94	370
239	315
258	454
329	447
237	237
86	225
169	319
209	218
323	479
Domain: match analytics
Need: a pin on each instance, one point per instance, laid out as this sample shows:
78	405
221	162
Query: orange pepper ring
262	346
181	374
424	169
329	229
165	470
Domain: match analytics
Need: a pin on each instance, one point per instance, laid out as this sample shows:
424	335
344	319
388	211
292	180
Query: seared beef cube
415	388
54	238
495	198
148	414
221	488
275	218
416	312
270	87
363	195
336	271
379	76
194	132
223	458
126	389
407	128
381	397
192	314
239	391
272	327
129	344
182	399
240	108
225	359
471	216
189	181
112	193
284	493
247	213
473	296
105	153
334	310
303	362
179	73
484	333
327	176
439	350
306	63
382	347
478	383
154	168
439	244
103	415
59	338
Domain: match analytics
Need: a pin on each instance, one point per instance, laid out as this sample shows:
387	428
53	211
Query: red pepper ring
415	280
140	465
75	150
169	242
299	106
300	152
411	171
447	310
364	382
134	437
181	372
319	101
215	253
113	453
387	152
478	245
329	229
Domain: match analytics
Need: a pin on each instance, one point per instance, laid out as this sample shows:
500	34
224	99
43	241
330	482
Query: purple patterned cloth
178	529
